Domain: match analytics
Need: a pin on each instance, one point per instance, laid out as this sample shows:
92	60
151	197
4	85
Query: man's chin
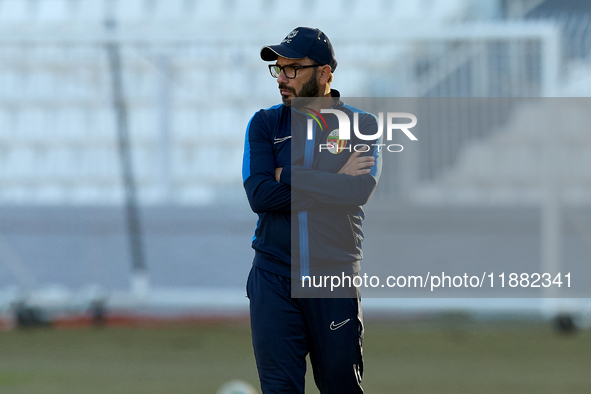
286	100
302	101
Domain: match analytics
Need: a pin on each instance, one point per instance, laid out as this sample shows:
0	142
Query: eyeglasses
289	71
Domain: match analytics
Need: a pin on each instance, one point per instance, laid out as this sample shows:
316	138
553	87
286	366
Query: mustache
285	87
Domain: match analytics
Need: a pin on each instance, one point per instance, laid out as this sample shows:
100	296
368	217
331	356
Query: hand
278	173
357	165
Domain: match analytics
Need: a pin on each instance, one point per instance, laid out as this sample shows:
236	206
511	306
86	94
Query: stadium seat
130	11
13	12
335	9
233	167
227	119
145	163
193	83
353	81
71	124
249	10
68	164
184	124
16	194
110	170
179	163
52	11
169	10
196	194
210	11
446	10
144	126
51	194
407	10
297	12
208	160
82	195
203	126
22	162
41	84
7	81
367	9
90	11
103	123
31	123
6	125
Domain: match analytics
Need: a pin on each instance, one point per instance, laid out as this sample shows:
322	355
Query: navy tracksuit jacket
325	205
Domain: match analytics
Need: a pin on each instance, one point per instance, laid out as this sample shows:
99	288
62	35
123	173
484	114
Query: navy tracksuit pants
285	330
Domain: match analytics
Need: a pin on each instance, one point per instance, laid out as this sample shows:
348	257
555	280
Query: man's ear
324	74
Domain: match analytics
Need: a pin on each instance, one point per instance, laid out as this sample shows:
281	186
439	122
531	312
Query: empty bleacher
192	78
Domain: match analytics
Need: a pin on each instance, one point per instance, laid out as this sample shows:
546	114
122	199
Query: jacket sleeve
331	188
264	193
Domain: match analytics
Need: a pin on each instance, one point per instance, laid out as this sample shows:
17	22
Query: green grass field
399	358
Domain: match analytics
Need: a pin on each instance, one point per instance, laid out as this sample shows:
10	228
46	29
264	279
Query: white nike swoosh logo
337	326
279	140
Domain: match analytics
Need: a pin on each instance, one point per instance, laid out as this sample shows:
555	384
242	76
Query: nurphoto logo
339	137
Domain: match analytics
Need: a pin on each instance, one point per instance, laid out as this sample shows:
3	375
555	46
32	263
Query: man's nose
282	78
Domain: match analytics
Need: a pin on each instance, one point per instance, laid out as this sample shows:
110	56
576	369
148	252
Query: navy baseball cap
300	43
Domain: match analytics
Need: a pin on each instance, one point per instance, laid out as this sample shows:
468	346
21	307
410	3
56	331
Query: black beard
310	89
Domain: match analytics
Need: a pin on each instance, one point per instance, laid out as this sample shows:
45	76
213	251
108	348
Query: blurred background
121	203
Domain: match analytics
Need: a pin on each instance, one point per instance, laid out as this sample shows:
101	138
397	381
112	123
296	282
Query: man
310	198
